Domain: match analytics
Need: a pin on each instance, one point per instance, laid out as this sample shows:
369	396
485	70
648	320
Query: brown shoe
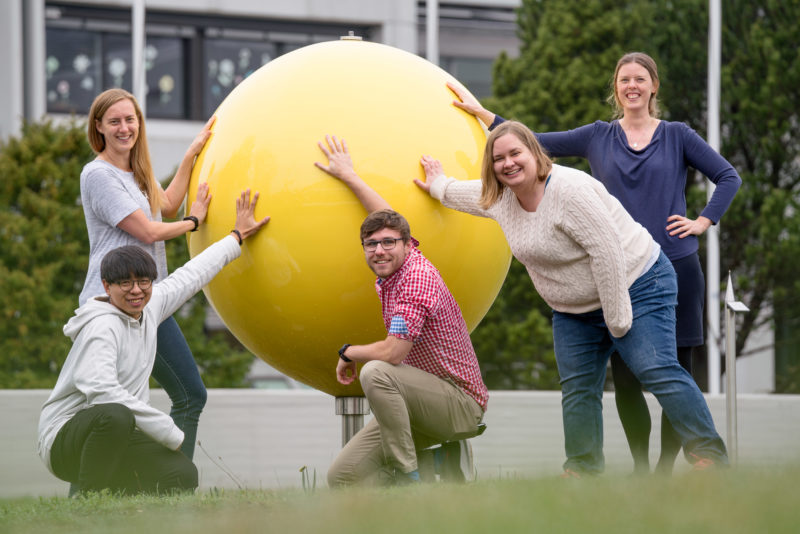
569	473
702	464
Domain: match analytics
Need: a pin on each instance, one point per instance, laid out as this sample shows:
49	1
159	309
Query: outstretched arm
187	280
470	104
455	194
139	226
246	223
433	169
340	166
176	191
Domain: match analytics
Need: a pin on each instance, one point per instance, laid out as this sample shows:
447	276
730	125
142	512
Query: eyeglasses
127	285
387	243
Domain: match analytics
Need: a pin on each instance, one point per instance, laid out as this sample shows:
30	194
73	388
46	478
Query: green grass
735	501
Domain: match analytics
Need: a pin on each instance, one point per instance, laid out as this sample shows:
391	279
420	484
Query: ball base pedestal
352	410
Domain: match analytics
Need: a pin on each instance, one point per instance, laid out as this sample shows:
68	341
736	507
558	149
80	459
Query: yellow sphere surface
302	287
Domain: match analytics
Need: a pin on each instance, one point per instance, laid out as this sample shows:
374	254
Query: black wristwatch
194	220
341	353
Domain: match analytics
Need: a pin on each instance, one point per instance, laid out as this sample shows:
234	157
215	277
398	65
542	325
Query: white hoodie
112	353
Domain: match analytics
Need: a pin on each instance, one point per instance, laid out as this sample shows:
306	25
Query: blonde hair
140	153
640	58
491	187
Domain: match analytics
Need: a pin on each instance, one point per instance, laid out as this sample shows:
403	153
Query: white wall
264	437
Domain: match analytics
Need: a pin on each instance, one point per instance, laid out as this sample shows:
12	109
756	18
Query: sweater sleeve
708	161
459	195
177	288
587	220
96	377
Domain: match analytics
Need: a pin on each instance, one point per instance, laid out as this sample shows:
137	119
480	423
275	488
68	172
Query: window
164	60
471	37
474	73
227	63
192	61
73	70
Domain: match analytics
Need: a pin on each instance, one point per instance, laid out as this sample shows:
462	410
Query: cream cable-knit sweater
581	248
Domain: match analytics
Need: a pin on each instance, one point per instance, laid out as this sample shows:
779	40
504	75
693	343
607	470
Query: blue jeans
583	345
176	372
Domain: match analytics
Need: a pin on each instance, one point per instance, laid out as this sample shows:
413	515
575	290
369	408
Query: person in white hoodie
97	430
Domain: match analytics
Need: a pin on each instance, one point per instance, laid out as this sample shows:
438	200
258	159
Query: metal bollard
731	413
352	410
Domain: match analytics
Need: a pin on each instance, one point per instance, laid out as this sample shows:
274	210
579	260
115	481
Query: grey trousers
412	410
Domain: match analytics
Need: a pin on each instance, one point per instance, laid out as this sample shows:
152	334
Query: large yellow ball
302	287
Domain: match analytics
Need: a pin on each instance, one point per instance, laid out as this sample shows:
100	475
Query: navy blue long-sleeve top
650	182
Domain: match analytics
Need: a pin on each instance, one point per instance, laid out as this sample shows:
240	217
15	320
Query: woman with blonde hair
643	161
608	282
123	205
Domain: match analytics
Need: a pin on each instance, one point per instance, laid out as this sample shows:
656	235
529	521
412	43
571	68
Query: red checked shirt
417	306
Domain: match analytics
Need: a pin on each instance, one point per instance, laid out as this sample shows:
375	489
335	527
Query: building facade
57	55
60	54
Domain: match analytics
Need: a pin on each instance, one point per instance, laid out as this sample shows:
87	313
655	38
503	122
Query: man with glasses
97	429
422	381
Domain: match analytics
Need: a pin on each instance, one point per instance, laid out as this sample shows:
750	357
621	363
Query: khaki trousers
413	410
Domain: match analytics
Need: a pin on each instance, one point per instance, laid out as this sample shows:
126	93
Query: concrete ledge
264	437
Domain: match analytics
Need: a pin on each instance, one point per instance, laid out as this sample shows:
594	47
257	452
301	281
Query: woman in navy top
643	161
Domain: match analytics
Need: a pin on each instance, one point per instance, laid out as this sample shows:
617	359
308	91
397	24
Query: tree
760	102
559	81
562	78
44	248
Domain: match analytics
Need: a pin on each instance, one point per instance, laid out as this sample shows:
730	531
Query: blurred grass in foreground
735	501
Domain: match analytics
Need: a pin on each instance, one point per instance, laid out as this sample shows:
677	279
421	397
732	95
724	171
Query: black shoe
454	462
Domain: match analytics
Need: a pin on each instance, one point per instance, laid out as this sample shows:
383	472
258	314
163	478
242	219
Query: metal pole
35	55
352	410
137	54
432	31
731	410
712	235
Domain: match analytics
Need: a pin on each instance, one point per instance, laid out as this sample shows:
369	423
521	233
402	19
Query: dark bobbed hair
386	218
491	187
127	262
640	58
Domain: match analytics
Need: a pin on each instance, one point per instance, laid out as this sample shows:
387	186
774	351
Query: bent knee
183	477
373	369
199	396
189	478
336	478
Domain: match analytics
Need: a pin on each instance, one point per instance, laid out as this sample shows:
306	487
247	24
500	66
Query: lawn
734	501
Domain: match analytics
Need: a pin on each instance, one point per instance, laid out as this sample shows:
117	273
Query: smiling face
634	88
385	263
119	126
513	163
131	302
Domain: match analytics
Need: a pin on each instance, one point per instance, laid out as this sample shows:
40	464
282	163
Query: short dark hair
125	262
378	220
